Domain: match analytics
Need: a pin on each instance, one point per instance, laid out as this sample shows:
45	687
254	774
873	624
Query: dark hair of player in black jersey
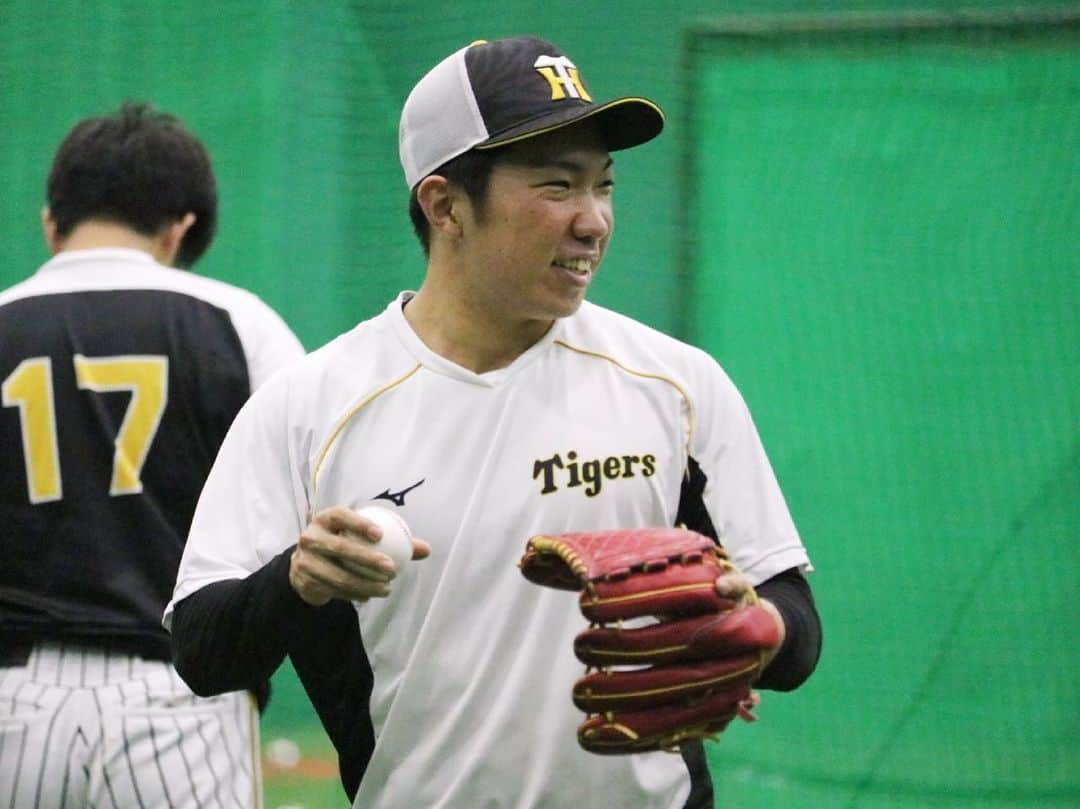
472	172
140	168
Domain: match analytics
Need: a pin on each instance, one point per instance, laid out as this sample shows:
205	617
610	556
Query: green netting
299	105
886	262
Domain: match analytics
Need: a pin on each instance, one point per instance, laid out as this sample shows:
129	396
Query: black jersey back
115	403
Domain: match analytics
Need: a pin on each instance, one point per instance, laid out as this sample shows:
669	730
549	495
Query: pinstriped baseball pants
82	728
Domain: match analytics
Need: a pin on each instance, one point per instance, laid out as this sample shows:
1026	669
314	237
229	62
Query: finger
361	555
345	553
733	585
341	520
380	568
320	578
746	707
308	590
332	519
421	550
305	581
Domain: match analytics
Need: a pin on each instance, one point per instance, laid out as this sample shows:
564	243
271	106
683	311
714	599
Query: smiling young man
491	405
503	268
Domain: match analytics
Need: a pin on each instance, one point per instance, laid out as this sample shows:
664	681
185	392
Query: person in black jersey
119	374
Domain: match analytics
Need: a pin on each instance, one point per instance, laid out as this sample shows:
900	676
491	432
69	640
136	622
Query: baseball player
489	406
120	376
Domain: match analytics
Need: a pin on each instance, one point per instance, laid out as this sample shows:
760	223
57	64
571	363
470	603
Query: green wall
299	103
886	222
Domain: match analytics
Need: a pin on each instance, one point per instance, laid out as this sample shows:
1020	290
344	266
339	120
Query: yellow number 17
30	388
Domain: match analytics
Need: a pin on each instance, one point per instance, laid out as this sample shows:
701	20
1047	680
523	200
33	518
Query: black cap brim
623	123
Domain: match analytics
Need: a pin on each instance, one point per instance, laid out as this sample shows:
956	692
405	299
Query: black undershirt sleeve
231	634
234	634
798	655
788	590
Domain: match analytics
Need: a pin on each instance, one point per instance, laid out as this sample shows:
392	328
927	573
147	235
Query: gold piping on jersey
645	375
341	426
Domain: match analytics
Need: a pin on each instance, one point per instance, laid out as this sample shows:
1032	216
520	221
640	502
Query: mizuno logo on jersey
556	473
397	498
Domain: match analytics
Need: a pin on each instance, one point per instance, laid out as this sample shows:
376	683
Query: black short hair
472	172
137	167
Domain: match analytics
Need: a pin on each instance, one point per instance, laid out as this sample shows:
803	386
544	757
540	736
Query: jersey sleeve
269	344
741	493
254	503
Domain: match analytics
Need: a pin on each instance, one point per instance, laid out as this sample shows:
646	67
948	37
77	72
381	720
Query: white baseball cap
490	94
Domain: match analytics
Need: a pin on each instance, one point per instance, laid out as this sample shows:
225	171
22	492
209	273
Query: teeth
579	265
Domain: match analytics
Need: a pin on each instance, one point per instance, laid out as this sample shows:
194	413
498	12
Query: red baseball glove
684	676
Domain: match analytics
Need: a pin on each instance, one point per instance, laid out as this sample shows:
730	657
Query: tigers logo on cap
490	94
563	77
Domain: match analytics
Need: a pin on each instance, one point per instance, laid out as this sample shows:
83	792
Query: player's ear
171	236
48	227
440	204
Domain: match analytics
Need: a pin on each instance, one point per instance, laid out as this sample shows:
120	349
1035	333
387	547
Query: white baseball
396	539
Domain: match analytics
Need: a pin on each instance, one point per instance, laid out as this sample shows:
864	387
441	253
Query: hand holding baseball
339	555
392	535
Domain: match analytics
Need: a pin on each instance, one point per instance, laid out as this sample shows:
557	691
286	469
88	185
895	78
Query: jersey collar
70	258
439	364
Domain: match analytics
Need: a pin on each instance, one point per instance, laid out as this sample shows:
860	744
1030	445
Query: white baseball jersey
593	427
119	379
